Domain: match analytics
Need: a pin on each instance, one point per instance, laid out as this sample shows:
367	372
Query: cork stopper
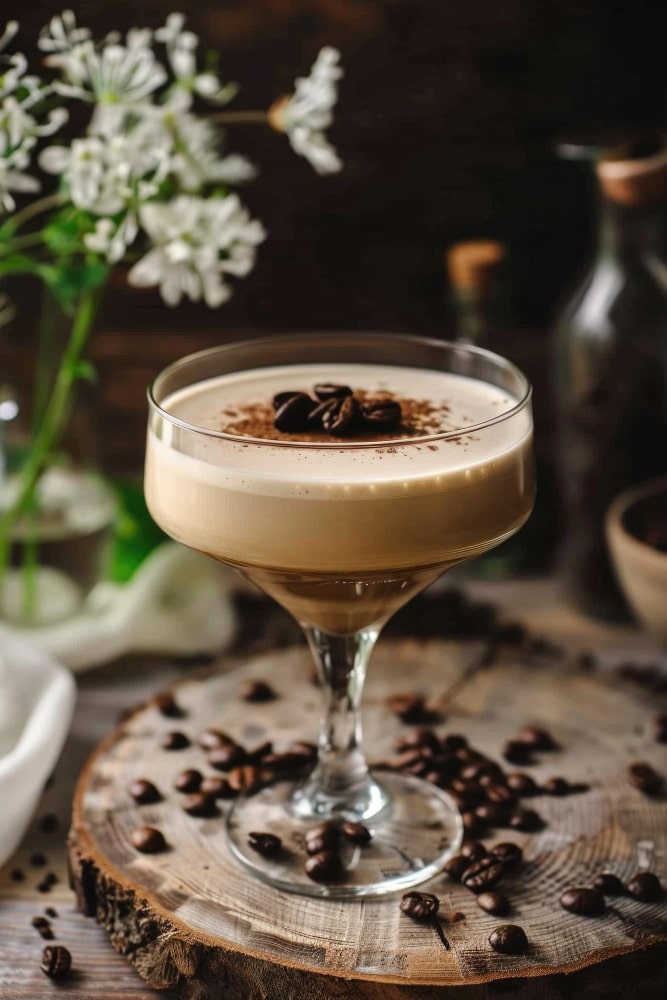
472	265
630	179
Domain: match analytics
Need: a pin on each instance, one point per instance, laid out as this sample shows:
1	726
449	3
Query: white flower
195	154
196	241
306	114
115	74
181	49
60	36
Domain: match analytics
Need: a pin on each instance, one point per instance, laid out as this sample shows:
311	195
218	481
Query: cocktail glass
342	543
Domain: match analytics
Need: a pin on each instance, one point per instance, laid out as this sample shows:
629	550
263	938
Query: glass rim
344	443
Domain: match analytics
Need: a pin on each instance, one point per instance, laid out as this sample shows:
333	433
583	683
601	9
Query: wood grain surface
191	918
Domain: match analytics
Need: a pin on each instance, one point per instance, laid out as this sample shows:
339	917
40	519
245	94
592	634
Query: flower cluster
151	173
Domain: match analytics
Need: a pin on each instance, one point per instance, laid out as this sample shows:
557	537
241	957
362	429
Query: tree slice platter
193	919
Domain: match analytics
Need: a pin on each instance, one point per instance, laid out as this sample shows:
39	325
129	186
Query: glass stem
341	783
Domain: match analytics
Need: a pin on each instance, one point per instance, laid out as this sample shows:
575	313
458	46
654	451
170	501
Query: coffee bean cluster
324	843
335	410
588	901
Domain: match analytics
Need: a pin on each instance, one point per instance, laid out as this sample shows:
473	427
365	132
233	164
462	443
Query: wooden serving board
193	920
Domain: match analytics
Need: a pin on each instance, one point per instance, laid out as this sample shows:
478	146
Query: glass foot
411	839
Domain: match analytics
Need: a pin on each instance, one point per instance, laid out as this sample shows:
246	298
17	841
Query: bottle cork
472	264
633	180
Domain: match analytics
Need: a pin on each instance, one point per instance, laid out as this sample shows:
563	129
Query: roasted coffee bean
174	741
17	875
420	905
473	850
660	729
167	705
56	961
509	853
51	878
492	814
325	866
43	928
48	823
480	770
341	420
499	794
382	412
467	755
356	833
522	784
259	753
526	820
211	739
148	840
494	902
316	417
411	708
646	887
307	751
509	939
324	836
483	874
511	633
247	778
256	691
456	866
43	886
144	792
453	742
266	844
556	786
38	860
224	758
327	390
473	826
469	789
645	778
536	738
583	901
608	884
292	415
418	739
282	397
188	781
216	787
200	805
51	912
516	752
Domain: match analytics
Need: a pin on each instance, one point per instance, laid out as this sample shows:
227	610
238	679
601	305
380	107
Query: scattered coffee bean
144	792
483	874
511	633
509	853
37	859
51	912
224	758
356	833
256	691
247	778
516	752
174	741
43	886
292	415
418	738
323	836
645	886
148	840
556	786
327	390
217	788
526	820
17	875
522	784
509	939
608	884
420	905
43	928
210	739
457	865
167	705
382	413
473	826
325	866
660	729
56	961
48	823
454	742
266	844
494	902
473	850
411	708
500	794
645	778
492	814
188	781
199	805
51	878
583	901
260	753
536	738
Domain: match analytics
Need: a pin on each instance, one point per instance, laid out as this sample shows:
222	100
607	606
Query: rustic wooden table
100	973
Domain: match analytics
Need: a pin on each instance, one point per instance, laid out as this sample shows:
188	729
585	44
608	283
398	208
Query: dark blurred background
448	118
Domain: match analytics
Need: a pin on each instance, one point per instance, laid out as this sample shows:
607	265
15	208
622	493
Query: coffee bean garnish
317	416
483	874
247	778
327	390
256	691
167	705
325	866
457	865
608	884
646	887
292	415
225	758
282	397
340	420
188	781
37	859
266	844
48	823
199	805
536	738
382	412
174	741
217	788
583	901
420	905
148	840
494	902
526	820
645	778
511	854
43	928
522	784
56	961
211	739
144	792
473	850
356	833
509	939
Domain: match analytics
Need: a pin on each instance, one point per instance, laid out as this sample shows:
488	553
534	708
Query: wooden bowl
637	536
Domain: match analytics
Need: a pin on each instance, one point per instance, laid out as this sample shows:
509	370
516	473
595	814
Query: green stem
241	117
20	243
53	421
34	208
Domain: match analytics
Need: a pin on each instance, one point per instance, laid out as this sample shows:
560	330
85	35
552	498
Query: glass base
412	838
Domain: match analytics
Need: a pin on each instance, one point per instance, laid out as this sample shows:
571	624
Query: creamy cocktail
342	474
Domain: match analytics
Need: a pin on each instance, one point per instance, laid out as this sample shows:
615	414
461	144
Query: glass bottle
611	371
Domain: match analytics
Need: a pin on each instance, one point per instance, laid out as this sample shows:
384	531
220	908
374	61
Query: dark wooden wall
448	115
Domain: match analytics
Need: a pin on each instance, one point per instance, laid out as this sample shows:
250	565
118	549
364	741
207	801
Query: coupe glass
342	546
